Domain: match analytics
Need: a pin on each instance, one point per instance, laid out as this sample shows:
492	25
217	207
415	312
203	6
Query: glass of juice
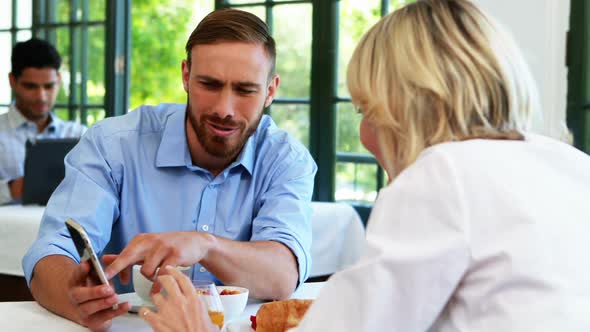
207	292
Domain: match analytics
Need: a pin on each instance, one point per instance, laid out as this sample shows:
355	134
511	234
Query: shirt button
202	269
205	228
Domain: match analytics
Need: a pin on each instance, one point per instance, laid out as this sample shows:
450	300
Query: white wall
539	27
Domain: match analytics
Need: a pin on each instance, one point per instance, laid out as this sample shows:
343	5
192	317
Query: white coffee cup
143	285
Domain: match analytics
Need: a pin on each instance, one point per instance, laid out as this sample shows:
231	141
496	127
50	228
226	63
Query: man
213	183
35	80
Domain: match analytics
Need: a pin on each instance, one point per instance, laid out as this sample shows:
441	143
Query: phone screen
86	252
78	241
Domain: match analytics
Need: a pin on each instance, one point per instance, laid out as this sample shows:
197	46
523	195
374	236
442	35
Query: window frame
578	63
117	47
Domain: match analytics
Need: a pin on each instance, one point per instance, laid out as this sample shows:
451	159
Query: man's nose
224	106
42	94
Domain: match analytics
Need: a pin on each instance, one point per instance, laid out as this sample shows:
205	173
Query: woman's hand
180	310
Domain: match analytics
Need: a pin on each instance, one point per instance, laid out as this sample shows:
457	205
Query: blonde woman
484	225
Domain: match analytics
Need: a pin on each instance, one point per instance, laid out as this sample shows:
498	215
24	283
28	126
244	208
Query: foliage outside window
159	31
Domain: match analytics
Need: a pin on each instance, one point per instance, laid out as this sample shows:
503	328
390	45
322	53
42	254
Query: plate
135	301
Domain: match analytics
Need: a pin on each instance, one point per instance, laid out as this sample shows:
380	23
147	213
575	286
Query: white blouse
480	235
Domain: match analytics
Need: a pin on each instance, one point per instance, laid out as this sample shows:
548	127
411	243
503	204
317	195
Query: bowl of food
233	299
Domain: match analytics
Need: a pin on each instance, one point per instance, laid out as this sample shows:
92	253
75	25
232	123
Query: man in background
35	80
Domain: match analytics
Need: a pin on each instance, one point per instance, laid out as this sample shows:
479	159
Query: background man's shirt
15	130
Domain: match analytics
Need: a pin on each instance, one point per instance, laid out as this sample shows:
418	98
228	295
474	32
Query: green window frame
93	39
578	62
15	30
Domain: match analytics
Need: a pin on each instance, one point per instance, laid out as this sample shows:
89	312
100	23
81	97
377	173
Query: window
578	61
155	65
92	40
315	40
15	26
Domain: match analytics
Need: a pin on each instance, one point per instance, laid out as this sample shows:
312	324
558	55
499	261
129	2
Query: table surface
338	234
29	316
18	229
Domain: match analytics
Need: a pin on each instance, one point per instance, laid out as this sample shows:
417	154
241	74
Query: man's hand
93	301
16	187
154	250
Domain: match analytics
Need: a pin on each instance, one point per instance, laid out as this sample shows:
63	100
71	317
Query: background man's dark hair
35	53
232	25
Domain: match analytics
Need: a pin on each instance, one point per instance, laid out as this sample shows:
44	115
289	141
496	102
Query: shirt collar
17	119
174	136
246	157
173	149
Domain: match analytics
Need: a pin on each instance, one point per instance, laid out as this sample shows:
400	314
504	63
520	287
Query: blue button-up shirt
133	174
15	130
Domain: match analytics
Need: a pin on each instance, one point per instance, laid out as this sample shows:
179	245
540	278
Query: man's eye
209	85
246	91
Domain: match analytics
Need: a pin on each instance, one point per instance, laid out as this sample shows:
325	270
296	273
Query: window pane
155	65
5	44
6	15
63	47
259	11
294	119
97	10
395	4
23	35
356	182
94	115
347	129
96	54
62	11
293	39
24	13
235	2
61	113
356	18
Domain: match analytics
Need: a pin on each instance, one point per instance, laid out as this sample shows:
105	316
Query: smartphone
85	250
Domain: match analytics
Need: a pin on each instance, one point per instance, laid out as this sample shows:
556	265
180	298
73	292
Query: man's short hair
35	53
232	25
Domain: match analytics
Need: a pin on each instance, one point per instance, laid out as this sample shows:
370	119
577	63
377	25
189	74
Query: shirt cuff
38	251
303	257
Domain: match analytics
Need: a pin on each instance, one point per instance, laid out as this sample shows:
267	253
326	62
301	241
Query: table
29	316
18	229
338	234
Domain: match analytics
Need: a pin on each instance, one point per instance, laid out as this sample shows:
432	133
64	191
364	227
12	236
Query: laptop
44	168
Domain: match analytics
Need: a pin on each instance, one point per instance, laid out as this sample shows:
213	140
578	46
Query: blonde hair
437	71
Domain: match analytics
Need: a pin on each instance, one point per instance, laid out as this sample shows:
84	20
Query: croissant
279	316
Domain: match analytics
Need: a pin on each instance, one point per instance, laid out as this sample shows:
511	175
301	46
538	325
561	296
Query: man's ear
12	80
273	85
185	74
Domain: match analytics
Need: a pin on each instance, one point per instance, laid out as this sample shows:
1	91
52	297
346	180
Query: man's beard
28	113
220	147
